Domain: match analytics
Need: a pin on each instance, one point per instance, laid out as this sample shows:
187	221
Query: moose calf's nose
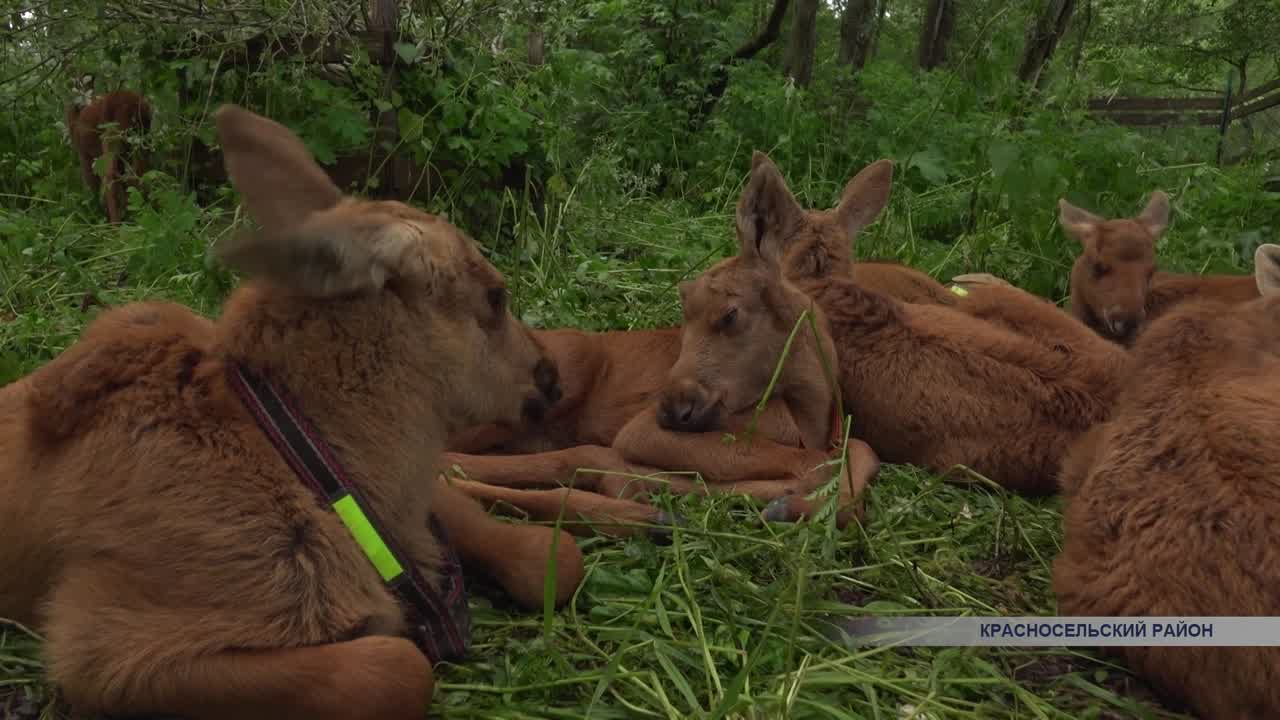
684	409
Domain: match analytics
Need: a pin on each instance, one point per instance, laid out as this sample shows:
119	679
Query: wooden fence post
1226	120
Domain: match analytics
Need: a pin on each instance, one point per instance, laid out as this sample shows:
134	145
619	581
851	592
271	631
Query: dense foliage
596	149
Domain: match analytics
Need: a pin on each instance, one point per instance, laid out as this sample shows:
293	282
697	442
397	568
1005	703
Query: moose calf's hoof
794	507
778	510
664	527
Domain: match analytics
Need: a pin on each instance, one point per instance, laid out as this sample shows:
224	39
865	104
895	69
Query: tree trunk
875	31
935	34
1081	38
537	46
856	25
1042	40
804	41
536	40
384	18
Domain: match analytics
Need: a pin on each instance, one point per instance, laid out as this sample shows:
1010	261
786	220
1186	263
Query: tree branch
720	78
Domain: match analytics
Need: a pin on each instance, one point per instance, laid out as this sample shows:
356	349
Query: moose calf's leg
642	440
90	178
112	651
861	467
551	469
583	513
115	191
514	555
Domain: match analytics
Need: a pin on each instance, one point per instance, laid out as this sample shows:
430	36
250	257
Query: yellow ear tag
958	290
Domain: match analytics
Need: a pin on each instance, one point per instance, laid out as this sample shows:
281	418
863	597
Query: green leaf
411	124
931	165
408	52
1002	155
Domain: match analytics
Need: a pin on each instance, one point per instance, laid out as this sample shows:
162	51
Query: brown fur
926	384
1173	504
972	280
1115	287
123	111
153	534
901	282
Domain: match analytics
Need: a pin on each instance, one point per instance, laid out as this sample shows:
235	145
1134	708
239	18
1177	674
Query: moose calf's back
1173	504
1170	289
937	387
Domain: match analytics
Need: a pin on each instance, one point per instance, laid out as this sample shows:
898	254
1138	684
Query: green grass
728	621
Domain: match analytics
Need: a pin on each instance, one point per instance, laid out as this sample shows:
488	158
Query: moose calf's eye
497	298
726	320
1099	269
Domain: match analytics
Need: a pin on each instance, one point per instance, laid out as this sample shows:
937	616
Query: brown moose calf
926	384
607	419
1115	287
159	514
100	128
1172	506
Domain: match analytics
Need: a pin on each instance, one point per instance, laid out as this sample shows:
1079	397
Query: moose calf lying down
1172	505
608	422
1115	287
603	438
926	384
159	518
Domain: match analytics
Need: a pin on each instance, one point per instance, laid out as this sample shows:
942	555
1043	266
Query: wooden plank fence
1204	110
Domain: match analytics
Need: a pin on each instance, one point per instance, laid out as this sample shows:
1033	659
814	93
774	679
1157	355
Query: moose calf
926	384
100	128
221	519
1115	287
1172	505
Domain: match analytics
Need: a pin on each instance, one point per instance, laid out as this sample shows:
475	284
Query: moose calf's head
739	314
418	286
1112	275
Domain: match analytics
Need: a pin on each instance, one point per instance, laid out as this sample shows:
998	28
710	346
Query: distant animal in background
99	128
1115	287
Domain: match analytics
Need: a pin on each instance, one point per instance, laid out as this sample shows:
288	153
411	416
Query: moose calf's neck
342	363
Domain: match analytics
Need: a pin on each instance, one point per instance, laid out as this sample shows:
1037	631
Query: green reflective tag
958	290
379	554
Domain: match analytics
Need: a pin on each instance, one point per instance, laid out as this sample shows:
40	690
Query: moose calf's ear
281	185
346	250
311	241
1155	216
865	196
1080	224
766	211
1266	268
